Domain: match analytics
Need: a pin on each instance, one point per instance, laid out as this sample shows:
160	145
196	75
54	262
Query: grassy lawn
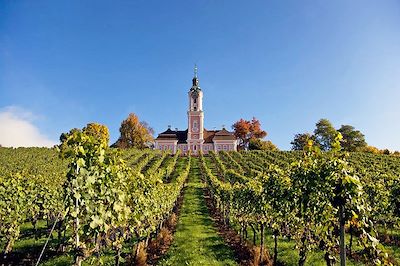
196	241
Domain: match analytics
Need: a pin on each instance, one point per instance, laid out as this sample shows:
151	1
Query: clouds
17	129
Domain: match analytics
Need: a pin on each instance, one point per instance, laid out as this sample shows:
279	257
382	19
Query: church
196	138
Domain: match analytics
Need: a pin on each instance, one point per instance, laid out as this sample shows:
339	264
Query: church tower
195	113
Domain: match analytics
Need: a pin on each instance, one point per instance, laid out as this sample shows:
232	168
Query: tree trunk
117	257
78	261
329	261
351	239
254	234
342	243
303	250
302	257
275	247
262	242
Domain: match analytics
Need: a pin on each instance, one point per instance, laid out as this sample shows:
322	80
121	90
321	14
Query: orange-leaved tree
134	134
245	130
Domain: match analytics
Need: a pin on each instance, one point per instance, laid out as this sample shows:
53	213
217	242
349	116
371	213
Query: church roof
224	134
182	136
169	134
208	135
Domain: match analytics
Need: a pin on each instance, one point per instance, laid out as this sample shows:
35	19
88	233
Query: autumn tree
246	130
371	149
134	133
300	141
325	134
98	131
353	140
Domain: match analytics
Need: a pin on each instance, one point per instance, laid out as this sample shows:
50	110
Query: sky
64	64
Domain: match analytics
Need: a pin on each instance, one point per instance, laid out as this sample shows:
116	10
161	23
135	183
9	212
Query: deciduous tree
98	131
64	136
245	130
300	141
353	140
259	144
134	133
325	134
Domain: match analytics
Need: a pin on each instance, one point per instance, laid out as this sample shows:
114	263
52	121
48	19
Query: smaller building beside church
196	138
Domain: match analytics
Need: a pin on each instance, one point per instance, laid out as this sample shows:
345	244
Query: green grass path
196	241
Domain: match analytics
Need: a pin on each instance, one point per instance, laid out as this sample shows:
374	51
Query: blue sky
64	64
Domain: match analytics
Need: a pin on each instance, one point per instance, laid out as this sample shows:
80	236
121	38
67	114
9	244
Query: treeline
324	133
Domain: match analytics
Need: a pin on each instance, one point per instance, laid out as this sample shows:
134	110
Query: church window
195	100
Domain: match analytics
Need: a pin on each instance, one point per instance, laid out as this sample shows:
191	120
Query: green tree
259	144
64	136
325	134
98	131
300	141
353	140
134	134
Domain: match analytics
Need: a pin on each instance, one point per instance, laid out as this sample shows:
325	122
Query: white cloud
17	129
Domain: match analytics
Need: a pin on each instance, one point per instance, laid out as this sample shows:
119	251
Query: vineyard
86	204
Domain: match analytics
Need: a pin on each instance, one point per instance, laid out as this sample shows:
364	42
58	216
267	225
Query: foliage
64	136
259	144
95	190
311	200
134	134
324	133
98	131
353	140
370	149
246	130
300	141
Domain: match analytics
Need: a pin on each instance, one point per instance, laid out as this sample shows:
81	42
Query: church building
196	138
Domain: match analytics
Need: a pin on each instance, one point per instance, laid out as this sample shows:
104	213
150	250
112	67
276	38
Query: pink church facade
196	138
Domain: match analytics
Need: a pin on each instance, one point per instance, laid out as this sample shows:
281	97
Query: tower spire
195	80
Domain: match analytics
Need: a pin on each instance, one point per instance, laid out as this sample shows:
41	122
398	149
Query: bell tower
195	116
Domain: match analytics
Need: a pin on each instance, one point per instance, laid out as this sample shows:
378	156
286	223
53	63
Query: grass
196	241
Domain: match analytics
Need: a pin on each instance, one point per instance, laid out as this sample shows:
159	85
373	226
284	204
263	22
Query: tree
134	133
325	134
64	136
300	141
98	131
245	130
370	149
259	144
353	140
